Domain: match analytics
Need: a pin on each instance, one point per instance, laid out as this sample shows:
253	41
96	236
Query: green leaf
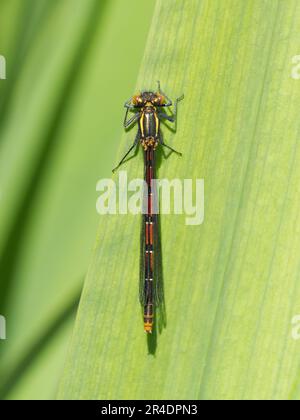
41	380
231	284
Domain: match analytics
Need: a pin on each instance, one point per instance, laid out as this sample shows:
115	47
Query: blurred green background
70	66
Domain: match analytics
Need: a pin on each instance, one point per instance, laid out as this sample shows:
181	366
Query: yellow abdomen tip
148	327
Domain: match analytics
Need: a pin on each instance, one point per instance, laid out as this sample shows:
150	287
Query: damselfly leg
135	144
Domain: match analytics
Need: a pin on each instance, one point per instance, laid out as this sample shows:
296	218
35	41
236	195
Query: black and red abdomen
149	220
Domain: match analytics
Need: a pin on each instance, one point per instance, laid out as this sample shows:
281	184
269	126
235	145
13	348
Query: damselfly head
144	98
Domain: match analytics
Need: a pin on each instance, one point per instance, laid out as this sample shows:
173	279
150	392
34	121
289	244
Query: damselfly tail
149	283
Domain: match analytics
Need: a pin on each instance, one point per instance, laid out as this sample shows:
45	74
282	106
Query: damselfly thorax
149	142
148	112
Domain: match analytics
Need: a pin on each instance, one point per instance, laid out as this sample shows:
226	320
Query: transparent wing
142	261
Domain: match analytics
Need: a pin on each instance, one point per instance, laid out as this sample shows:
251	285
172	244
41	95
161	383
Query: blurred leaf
20	22
58	137
35	375
232	284
41	380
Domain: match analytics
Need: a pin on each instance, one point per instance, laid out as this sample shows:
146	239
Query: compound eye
160	100
137	100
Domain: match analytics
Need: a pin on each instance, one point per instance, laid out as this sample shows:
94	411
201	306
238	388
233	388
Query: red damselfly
148	112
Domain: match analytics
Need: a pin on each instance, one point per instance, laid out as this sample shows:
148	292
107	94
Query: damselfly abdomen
148	112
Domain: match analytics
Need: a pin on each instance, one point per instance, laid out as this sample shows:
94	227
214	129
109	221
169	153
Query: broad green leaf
57	137
231	284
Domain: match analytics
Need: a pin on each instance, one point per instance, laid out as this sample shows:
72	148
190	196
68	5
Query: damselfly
148	112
